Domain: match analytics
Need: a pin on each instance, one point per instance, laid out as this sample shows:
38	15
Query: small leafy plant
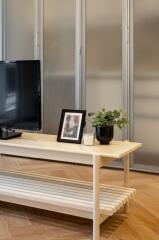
108	118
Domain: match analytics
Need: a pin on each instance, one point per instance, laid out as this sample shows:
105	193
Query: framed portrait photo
71	126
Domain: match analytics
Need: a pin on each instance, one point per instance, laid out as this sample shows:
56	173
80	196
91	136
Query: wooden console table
94	201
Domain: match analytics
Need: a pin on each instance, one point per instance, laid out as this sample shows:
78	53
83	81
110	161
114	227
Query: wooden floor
23	223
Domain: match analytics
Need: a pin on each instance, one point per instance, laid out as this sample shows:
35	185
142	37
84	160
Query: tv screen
20	95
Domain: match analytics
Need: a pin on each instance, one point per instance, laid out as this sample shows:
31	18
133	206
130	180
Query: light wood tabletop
116	149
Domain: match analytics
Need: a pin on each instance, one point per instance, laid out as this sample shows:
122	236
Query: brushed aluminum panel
19	29
146	83
104	55
59	60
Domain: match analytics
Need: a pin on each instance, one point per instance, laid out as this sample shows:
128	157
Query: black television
20	97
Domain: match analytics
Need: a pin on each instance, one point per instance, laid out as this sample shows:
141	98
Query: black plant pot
105	134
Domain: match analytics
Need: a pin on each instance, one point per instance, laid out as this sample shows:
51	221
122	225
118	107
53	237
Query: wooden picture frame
71	126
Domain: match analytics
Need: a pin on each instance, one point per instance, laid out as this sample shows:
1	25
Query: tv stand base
6	134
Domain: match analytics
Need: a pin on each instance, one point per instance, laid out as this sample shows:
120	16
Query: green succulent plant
104	118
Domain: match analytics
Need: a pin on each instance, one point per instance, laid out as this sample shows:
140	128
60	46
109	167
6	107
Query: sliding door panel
146	83
104	55
19	29
59	60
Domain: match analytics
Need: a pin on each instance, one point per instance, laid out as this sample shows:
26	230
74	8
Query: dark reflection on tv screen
20	94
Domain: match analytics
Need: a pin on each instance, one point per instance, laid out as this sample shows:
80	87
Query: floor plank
23	223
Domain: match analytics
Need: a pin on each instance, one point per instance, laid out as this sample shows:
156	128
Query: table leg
126	178
96	190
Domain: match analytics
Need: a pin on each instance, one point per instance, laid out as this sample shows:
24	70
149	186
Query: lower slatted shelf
65	196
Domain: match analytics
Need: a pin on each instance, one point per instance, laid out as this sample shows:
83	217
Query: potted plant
104	122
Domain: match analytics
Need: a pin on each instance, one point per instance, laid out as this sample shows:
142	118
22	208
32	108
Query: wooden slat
53	180
107	199
74	189
72	196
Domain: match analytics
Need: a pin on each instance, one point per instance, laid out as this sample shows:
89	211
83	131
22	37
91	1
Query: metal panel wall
19	29
1	30
104	55
59	60
146	83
